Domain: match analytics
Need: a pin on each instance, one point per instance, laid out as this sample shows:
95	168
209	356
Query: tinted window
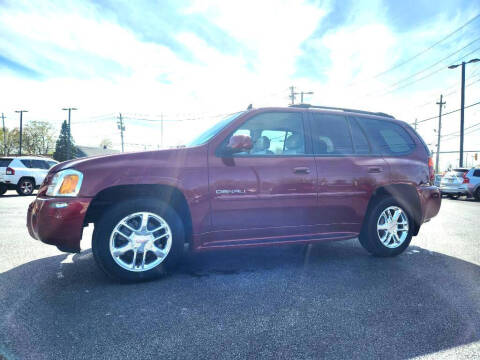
27	163
476	173
274	134
360	141
5	162
388	138
331	134
51	164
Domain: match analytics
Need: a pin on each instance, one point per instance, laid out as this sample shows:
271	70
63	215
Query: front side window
274	133
331	134
387	137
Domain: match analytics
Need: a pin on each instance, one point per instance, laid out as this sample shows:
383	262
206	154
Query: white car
23	173
453	183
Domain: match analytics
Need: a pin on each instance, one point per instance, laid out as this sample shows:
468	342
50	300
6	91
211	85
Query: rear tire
25	187
128	267
476	194
3	189
376	228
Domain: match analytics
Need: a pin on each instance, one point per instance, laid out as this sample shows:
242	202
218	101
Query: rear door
349	171
270	191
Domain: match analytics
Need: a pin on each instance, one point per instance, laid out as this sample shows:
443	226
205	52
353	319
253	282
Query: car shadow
325	300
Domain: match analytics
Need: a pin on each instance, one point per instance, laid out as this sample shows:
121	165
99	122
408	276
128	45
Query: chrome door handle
375	170
301	170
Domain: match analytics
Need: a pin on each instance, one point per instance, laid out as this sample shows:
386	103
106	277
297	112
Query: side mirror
237	144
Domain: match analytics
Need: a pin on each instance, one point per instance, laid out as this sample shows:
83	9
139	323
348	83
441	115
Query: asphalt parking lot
329	300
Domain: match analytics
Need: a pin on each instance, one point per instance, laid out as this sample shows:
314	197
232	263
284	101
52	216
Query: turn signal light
69	184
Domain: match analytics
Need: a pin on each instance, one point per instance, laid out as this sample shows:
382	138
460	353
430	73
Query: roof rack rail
306	106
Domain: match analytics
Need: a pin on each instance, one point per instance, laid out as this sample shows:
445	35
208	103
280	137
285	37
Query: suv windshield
211	132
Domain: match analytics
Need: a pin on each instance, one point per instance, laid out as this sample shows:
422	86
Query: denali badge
233	191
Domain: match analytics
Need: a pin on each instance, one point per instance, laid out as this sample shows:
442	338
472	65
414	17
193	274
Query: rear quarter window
476	173
387	137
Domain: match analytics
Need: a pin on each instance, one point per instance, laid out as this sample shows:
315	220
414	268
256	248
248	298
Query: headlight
65	183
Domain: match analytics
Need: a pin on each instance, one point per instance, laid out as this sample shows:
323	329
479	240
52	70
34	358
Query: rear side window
388	138
27	163
476	173
40	164
331	134
5	162
360	141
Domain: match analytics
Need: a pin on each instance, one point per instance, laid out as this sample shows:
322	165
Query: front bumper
430	201
58	221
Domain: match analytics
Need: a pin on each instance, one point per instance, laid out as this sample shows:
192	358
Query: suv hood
132	159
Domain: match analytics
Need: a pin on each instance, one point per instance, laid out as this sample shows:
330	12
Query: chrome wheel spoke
143	226
134	258
143	258
119	251
158	252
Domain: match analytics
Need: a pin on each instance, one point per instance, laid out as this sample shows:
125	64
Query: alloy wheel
392	227
140	241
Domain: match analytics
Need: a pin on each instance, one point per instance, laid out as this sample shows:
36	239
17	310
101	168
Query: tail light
10	171
466	180
431	170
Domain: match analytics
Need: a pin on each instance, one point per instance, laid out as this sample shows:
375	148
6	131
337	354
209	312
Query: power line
426	76
434	64
427	49
448	113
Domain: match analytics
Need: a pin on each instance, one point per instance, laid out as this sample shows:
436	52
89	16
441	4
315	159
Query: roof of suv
363	112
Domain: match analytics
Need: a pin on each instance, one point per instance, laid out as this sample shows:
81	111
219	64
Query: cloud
201	58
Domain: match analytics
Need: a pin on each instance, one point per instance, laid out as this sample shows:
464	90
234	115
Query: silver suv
473	183
453	183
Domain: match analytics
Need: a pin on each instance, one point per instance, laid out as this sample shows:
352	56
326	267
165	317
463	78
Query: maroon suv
260	177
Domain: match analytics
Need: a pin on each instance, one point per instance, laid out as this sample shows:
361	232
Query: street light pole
462	105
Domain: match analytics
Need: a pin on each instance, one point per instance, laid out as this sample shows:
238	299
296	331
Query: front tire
388	229
138	240
25	187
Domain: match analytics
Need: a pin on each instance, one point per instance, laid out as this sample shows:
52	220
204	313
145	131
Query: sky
192	62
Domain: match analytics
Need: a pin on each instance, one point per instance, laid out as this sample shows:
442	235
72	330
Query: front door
268	192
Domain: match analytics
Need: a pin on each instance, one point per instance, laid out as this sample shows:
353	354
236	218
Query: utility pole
292	95
462	106
121	127
161	129
416	122
439	131
21	129
306	93
69	155
4	136
462	114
